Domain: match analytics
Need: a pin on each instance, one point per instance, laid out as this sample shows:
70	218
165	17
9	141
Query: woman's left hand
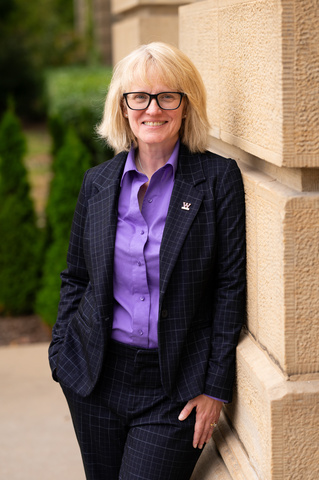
207	414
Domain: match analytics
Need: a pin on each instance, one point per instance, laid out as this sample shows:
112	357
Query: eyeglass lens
141	100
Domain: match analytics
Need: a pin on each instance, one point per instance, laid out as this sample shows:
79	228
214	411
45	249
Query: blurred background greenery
52	90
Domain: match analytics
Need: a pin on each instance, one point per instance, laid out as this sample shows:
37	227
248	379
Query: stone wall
260	63
143	21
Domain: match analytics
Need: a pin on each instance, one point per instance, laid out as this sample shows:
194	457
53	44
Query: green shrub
69	165
20	239
76	97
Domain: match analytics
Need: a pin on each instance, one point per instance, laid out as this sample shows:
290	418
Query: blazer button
164	313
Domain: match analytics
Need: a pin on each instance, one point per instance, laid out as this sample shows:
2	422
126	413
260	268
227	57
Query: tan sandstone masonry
262	58
143	21
276	421
260	64
273	429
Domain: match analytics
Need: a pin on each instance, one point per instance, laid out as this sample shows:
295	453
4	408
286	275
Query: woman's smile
153	124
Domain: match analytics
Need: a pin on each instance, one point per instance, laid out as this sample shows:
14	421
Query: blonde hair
172	68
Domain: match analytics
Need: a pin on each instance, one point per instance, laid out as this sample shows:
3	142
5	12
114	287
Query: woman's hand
207	413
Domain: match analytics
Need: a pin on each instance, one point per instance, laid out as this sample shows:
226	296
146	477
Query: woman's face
154	126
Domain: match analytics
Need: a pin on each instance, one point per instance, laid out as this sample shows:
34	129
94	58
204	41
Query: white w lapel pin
186	206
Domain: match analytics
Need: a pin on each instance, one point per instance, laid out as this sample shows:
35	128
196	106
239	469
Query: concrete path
37	441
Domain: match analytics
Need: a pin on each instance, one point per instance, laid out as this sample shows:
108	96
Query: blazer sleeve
229	289
74	280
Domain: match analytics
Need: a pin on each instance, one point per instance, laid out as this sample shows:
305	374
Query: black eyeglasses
142	100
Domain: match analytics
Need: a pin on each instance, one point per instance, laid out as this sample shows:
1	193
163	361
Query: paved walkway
37	441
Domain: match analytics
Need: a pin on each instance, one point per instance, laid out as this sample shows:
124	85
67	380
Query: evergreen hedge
69	165
76	96
20	239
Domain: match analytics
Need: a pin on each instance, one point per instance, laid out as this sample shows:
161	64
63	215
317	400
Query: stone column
81	16
143	21
260	62
93	23
101	10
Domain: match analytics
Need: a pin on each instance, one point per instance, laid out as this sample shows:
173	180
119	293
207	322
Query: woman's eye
140	97
167	97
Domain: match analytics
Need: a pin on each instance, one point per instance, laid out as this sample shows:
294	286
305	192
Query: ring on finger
213	425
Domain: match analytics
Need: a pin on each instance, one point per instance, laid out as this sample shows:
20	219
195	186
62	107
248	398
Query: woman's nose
153	106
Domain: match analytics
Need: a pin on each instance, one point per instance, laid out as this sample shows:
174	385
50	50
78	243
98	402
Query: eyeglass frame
151	97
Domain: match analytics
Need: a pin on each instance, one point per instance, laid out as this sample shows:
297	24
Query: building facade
260	63
138	22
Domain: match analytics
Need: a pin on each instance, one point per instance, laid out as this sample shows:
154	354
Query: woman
152	301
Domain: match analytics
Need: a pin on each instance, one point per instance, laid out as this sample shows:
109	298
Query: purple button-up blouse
137	245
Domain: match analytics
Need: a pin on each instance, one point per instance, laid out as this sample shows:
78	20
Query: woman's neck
148	160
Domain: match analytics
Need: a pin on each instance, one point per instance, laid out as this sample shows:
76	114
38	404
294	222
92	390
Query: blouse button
142	299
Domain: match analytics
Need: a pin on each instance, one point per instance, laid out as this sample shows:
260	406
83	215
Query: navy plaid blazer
202	279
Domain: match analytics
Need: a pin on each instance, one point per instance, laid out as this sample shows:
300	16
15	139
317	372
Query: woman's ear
124	111
185	109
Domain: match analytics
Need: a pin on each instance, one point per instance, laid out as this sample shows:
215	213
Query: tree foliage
19	77
20	245
33	37
70	163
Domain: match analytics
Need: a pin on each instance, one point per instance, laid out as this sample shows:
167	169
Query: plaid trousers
128	428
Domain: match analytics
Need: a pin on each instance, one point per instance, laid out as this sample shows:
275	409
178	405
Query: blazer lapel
102	209
185	202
